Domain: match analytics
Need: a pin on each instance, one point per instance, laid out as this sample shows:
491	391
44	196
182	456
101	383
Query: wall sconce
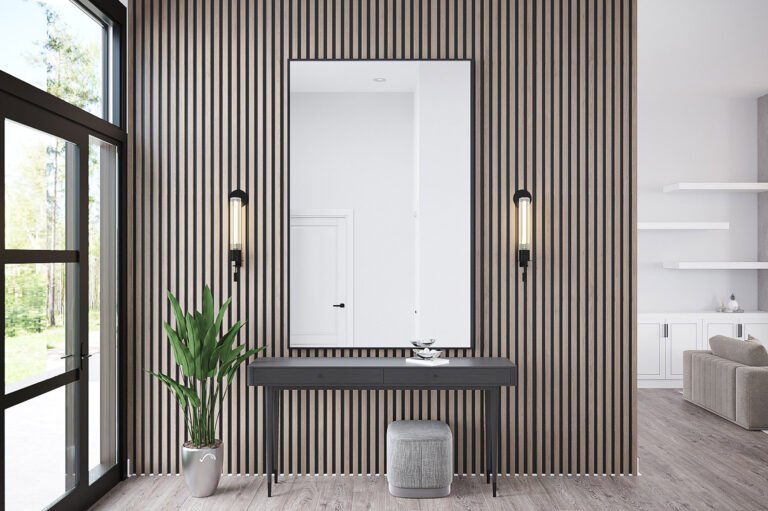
522	200
237	201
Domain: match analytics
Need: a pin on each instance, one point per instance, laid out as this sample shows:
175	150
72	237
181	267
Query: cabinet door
719	327
682	336
757	330
650	350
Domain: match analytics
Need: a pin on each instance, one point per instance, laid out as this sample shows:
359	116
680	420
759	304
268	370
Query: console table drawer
316	377
446	376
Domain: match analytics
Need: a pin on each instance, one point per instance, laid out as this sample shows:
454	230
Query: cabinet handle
740	330
666	331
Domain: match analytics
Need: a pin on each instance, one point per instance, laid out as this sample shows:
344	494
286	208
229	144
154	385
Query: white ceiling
353	76
703	46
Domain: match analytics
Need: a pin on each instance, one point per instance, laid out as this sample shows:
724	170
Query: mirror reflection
380	203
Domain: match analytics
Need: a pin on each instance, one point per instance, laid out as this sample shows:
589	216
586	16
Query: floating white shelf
732	265
683	226
718	187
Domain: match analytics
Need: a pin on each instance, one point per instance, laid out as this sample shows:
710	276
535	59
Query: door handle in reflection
339	305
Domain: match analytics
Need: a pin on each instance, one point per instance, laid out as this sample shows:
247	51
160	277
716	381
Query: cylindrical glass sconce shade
237	201
236	212
523	201
524	223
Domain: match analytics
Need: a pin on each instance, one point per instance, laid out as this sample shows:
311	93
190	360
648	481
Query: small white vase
732	305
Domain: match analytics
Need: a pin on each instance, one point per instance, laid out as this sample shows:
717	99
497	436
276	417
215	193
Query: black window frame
27	102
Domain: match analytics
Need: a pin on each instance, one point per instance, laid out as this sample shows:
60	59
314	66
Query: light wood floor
689	459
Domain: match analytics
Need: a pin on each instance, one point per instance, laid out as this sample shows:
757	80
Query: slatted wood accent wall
554	104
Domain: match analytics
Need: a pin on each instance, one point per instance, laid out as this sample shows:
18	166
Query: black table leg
269	397
493	417
487	424
276	426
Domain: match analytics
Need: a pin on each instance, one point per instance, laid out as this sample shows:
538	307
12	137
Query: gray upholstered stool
419	459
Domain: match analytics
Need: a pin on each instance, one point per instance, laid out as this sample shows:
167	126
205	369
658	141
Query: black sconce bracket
521	194
239	194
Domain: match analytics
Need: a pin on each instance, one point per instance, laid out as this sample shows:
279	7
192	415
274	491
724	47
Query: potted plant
208	363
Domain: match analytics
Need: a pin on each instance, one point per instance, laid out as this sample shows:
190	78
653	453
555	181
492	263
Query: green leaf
207	305
227	359
212	342
191	394
195	344
192	344
173	385
224	353
180	351
187	396
222	311
180	324
207	356
229	337
239	361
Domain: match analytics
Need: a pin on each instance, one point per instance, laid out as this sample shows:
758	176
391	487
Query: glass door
59	329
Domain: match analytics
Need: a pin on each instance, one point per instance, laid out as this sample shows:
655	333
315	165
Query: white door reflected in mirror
387	143
321	261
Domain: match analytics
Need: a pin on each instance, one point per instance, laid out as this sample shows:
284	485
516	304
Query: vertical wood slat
555	110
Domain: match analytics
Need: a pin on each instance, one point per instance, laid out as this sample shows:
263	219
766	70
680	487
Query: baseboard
659	384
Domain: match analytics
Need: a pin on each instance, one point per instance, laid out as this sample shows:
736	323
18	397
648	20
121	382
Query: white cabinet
662	339
719	326
757	329
682	335
651	349
738	326
661	342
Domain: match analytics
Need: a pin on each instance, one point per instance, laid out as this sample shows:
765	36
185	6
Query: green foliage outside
35	211
26	354
70	66
25	299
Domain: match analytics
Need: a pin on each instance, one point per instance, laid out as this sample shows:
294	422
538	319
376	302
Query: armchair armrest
687	384
752	397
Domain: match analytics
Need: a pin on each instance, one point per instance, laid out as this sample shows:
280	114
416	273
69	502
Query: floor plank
690	459
467	493
303	495
234	492
336	493
133	493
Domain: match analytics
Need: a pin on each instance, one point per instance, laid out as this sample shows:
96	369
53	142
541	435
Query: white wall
444	241
363	140
697	121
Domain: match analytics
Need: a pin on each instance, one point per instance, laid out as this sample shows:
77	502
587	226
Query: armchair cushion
746	353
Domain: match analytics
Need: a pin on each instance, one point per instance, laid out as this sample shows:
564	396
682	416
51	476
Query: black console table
486	374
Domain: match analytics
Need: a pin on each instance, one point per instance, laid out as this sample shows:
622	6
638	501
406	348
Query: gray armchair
730	380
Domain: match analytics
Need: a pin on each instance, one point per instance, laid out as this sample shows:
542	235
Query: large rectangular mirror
380	203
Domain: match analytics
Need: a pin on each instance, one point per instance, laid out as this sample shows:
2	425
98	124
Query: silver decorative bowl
428	354
423	343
